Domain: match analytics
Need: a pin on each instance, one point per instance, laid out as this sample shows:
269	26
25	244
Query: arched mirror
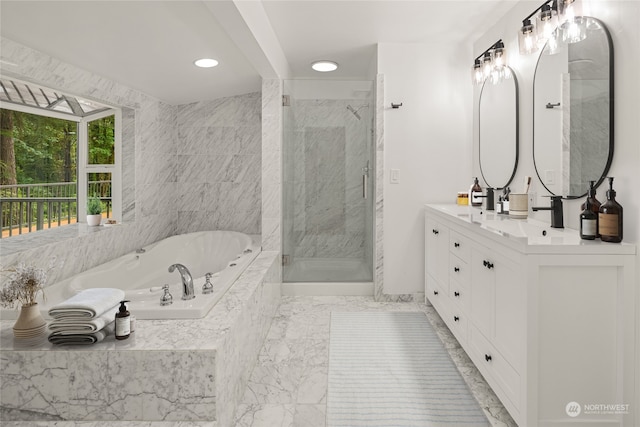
498	127
573	112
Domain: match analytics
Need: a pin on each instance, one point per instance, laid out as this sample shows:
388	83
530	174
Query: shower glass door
328	179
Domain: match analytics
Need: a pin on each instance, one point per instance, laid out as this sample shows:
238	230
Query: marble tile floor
288	386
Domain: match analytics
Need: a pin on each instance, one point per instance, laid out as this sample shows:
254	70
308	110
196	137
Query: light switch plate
394	176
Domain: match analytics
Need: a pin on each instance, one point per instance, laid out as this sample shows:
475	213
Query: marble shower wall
272	214
326	151
219	165
149	172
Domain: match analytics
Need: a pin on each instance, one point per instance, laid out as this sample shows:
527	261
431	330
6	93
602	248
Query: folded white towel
74	325
87	304
82	339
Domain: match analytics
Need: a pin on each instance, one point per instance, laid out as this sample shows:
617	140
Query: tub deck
135	379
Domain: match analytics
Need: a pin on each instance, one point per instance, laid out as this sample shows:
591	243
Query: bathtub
142	274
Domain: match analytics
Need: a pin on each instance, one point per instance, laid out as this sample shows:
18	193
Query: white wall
429	140
621	18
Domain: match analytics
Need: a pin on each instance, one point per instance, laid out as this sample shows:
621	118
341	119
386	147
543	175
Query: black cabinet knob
456	294
456	318
456	269
434	231
487	264
456	244
435	292
487	357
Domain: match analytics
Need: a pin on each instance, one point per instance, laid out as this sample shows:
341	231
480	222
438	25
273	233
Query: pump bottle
610	217
123	322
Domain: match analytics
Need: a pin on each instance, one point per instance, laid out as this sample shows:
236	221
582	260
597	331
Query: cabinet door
437	248
482	289
509	327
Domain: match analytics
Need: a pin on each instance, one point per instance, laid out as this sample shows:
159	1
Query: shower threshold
328	270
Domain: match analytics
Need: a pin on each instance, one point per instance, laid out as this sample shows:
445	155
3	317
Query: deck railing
29	207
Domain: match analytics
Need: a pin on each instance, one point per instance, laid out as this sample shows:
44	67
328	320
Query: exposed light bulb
526	38
487	65
476	72
574	31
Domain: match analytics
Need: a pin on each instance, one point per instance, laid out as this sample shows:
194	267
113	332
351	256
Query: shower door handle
365	178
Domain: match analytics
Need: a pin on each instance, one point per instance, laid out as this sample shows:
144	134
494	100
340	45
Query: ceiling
151	45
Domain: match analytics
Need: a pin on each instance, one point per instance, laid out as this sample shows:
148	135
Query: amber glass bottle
475	193
610	218
588	222
593	202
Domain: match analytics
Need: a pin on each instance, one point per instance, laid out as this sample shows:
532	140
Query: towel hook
396	105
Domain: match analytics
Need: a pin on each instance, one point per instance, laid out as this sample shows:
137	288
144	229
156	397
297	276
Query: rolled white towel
88	304
82	339
74	325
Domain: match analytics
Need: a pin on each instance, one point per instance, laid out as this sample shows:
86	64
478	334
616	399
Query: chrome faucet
187	280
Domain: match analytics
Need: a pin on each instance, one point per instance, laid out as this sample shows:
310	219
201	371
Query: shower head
354	111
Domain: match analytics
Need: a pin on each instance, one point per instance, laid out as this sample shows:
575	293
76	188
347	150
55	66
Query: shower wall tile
218	164
149	211
326	153
272	116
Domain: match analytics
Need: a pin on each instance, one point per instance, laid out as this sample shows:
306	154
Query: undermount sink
521	228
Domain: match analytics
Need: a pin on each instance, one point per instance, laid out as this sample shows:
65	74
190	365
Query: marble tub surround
135	379
219	164
289	383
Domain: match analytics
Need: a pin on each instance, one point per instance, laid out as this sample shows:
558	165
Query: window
56	151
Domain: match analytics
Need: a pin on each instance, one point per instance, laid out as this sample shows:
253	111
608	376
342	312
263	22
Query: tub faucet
187	280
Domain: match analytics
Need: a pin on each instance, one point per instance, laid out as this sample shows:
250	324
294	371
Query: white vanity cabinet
547	318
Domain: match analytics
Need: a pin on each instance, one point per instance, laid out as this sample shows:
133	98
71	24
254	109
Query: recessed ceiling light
324	66
206	63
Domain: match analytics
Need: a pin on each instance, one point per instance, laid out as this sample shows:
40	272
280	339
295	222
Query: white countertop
526	235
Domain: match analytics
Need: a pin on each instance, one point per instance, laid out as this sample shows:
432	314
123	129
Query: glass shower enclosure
328	181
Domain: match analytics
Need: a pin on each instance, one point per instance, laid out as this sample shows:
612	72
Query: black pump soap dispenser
123	322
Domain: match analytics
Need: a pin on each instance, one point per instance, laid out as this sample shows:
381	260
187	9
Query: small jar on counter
463	198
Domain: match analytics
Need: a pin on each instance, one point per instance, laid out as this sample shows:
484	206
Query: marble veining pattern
325	151
288	386
135	379
218	164
272	164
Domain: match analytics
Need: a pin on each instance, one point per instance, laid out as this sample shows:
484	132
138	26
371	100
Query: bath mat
390	369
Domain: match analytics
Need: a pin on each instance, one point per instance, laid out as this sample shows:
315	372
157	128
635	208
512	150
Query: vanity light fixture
205	63
557	20
324	66
491	64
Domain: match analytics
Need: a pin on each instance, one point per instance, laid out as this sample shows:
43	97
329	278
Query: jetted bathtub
142	274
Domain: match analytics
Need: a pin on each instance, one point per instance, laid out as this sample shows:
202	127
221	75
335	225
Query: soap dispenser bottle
592	201
123	322
505	201
475	193
610	217
588	222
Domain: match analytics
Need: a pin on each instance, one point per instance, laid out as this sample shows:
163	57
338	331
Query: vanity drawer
434	293
459	271
490	361
460	246
460	295
457	322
